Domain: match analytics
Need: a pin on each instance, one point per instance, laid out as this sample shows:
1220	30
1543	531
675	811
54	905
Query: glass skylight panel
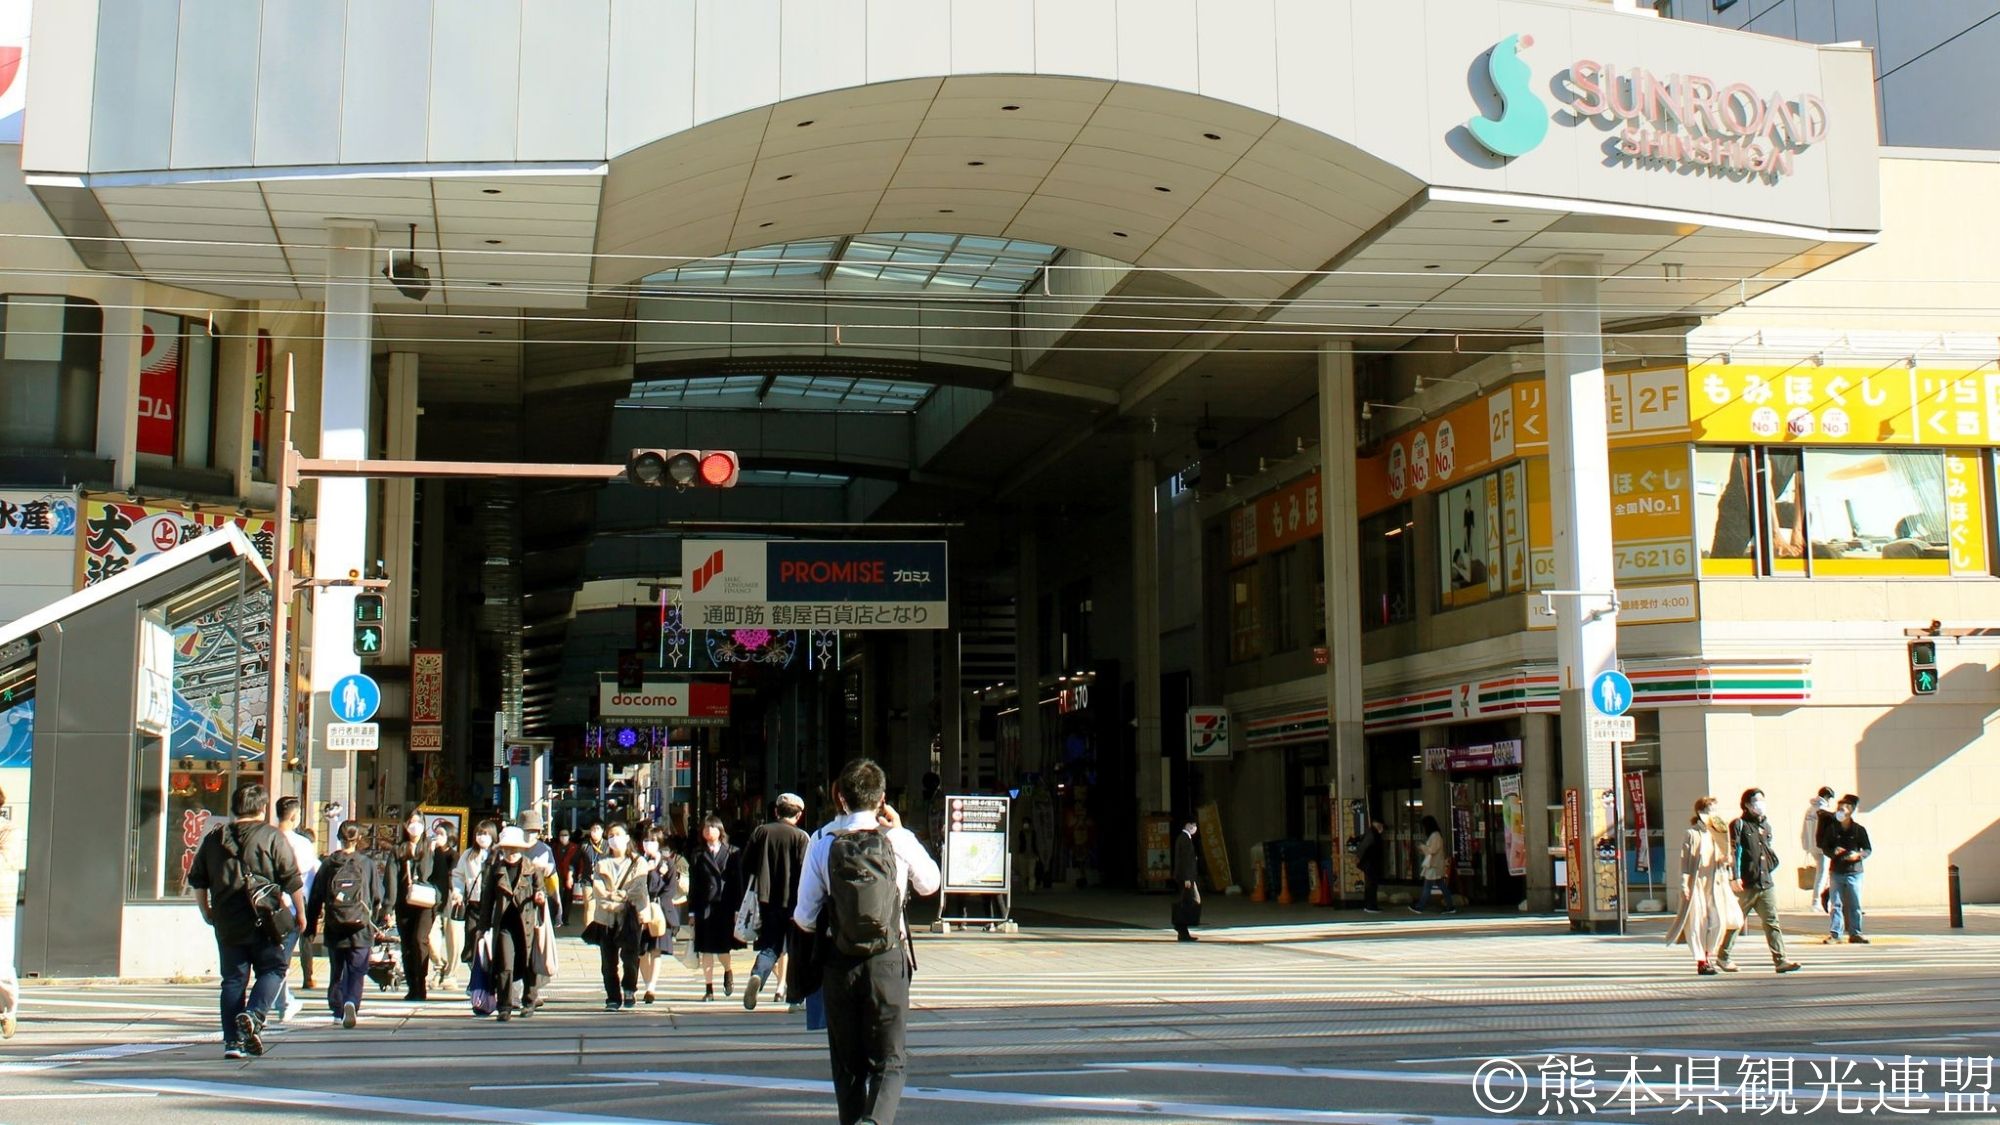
919	259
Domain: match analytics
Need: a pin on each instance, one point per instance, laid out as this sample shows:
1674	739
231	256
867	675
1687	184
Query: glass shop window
50	349
1388	568
1246	605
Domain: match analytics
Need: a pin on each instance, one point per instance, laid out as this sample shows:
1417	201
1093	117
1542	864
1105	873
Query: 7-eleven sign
1208	734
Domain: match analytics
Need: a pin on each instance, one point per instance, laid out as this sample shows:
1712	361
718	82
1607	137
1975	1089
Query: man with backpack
858	875
246	882
348	904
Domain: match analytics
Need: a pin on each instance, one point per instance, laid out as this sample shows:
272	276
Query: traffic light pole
288	471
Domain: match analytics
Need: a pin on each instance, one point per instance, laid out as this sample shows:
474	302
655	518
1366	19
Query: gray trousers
1763	900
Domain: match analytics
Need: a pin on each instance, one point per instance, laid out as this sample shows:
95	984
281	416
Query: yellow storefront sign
1652	514
1965	512
1802	404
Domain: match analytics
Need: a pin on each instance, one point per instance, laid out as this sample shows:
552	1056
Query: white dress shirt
915	869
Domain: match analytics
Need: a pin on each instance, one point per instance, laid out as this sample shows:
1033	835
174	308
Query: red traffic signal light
719	468
682	468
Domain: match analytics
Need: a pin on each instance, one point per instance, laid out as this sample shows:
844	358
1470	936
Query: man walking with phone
856	882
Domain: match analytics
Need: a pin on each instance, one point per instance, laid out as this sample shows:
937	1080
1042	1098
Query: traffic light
682	468
367	624
1923	668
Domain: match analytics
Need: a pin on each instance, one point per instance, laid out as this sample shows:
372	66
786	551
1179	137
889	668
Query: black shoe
414	997
611	1005
728	983
1188	937
250	1033
232	1051
504	1014
1789	967
649	996
1707	970
631	1001
708	994
1857	939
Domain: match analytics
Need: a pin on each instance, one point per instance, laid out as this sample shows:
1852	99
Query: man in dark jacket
1187	876
348	904
1755	866
1847	845
233	863
1368	857
775	854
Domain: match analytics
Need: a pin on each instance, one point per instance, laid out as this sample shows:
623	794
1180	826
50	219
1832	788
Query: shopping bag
480	987
748	918
684	948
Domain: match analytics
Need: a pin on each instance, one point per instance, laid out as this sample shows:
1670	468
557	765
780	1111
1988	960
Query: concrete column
1580	487
1028	648
236	402
1340	544
397	537
922	696
1538	791
118	384
341	506
951	700
1154	791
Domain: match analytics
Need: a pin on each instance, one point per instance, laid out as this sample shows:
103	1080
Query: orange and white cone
1257	889
1285	884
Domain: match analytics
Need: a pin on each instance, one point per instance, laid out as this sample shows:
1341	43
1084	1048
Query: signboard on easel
976	849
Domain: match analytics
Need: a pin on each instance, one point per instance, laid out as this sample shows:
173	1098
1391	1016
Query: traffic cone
1322	887
1284	884
1257	889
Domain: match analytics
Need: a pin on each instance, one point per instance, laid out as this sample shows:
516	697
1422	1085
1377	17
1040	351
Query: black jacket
370	878
1750	851
1368	854
774	857
1851	836
715	883
405	869
1187	865
266	852
510	895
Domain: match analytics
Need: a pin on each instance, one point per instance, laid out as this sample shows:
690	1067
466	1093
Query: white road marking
365	1104
558	1085
1036	1073
68	1097
1087	1103
115	1051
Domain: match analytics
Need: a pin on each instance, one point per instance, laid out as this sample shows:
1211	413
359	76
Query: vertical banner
1604	876
1514	823
1573	850
1213	848
1635	792
159	383
260	401
426	699
1965	513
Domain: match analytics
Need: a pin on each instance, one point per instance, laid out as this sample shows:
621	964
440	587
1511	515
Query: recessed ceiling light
1213	136
1118	234
1431	267
1503	220
486	332
1157	187
805	123
1373	305
491	190
494	284
761	226
944	210
783	178
1010	108
975	164
492	242
486	359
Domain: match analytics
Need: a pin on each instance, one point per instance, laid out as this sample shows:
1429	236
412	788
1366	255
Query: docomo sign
1689	119
665	701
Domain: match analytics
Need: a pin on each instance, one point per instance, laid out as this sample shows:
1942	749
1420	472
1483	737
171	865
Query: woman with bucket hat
510	915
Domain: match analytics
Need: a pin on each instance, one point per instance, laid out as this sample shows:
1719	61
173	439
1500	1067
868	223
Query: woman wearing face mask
618	894
467	877
511	909
1709	913
715	889
416	899
667	887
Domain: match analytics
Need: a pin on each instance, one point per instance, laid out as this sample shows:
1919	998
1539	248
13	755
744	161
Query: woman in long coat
1709	910
715	890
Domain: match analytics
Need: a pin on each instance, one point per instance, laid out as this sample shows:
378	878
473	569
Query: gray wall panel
385	87
298	82
132	111
564	66
475	80
215	89
1941	100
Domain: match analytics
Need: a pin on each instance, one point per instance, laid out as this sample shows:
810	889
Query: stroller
385	963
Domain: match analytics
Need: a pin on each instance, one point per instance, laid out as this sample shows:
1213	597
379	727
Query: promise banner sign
813	584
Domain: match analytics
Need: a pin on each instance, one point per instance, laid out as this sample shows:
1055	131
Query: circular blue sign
1611	693
355	698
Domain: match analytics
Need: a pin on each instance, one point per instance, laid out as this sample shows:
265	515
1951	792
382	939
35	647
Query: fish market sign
1680	121
1689	120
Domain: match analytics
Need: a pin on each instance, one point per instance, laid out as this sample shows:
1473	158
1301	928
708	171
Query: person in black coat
347	944
410	868
774	858
1187	878
510	907
715	890
1368	856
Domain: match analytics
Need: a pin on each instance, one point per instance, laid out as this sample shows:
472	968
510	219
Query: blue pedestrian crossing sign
1611	693
355	698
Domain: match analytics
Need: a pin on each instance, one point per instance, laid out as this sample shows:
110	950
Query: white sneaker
293	1006
347	1016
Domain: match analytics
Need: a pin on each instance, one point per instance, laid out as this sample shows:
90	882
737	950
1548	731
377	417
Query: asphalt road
1410	1022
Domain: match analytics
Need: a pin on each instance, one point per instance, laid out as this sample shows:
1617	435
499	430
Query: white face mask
1840	815
1757	806
484	839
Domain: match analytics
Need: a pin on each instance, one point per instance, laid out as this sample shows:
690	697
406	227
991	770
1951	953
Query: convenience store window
1388	568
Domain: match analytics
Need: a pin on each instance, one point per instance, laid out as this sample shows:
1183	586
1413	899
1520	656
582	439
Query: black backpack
269	904
867	896
347	904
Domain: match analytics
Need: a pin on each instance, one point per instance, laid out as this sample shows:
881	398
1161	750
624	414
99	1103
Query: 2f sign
1645	402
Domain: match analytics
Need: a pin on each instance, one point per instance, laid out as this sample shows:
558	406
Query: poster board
453	817
1214	850
976	851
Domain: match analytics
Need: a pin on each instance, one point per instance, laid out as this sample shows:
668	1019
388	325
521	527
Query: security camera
409	278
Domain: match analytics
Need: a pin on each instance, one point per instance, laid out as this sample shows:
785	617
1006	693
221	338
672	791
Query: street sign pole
276	720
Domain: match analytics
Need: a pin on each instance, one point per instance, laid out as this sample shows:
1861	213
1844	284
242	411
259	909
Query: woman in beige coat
1708	908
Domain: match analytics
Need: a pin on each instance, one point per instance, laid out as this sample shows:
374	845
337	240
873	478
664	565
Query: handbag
595	933
748	918
479	983
417	892
654	919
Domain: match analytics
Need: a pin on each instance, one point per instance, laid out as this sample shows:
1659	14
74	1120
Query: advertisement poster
975	844
1156	842
1514	823
427	685
452	818
1213	850
1635	792
1573	850
1352	826
1604	881
1462	858
159	383
1275	520
38	513
14	23
1469	542
118	534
